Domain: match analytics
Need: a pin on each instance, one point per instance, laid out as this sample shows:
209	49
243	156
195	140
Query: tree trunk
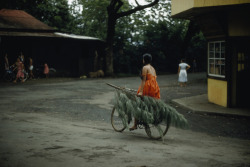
110	42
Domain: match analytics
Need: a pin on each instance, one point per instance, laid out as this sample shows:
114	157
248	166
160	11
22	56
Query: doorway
243	77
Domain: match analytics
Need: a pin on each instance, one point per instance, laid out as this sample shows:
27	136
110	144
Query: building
70	55
226	26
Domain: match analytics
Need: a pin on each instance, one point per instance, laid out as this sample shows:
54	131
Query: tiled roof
20	20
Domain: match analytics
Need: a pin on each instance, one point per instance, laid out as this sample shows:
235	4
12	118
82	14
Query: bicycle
155	130
10	75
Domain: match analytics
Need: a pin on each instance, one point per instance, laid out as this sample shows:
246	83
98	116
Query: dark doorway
243	75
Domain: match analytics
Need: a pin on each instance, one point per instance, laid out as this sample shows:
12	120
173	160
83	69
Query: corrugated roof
75	36
47	34
20	20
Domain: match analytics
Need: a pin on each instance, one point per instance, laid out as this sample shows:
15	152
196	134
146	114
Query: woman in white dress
182	72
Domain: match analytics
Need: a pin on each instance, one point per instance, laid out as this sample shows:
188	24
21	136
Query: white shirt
183	66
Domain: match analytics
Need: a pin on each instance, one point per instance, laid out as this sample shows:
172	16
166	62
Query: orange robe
151	87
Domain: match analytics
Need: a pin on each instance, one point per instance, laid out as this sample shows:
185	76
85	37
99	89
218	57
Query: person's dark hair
183	60
147	58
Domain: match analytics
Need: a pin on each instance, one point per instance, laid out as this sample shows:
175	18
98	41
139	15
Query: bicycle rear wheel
116	121
157	131
26	76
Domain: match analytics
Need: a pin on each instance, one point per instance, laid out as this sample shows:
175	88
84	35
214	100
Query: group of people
20	67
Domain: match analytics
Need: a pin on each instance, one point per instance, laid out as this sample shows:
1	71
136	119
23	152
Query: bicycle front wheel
116	121
8	77
157	131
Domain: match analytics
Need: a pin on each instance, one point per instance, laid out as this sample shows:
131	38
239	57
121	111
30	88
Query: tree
114	14
59	16
93	18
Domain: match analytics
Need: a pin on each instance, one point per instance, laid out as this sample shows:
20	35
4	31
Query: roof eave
197	11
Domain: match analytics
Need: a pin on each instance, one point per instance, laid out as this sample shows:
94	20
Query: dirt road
67	124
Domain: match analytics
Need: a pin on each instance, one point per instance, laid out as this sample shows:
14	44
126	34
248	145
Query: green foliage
164	42
147	109
197	50
93	18
155	32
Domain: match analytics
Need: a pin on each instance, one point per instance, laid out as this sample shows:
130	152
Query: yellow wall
206	3
179	6
217	92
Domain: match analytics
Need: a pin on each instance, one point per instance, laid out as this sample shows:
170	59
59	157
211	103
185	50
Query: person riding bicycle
149	85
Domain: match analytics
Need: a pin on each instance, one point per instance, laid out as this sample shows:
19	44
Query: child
46	70
31	68
20	67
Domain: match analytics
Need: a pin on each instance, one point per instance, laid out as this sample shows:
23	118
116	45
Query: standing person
149	85
31	68
46	70
20	68
21	57
182	72
6	62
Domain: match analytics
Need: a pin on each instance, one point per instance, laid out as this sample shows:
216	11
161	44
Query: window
216	59
241	61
